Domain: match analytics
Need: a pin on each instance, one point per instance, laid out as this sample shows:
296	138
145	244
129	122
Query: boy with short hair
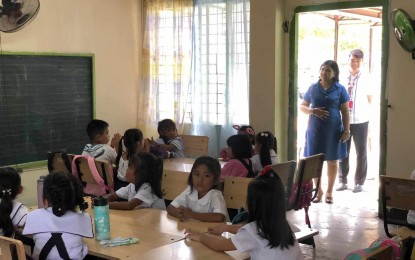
169	138
99	135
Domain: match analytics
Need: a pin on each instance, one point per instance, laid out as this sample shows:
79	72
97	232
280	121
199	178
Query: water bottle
40	191
101	218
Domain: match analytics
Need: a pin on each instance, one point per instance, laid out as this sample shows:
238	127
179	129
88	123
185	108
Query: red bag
304	200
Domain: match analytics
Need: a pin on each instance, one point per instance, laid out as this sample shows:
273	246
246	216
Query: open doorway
331	35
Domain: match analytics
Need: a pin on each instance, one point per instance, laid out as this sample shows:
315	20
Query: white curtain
220	82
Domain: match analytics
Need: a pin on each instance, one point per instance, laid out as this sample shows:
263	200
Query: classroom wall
109	29
400	92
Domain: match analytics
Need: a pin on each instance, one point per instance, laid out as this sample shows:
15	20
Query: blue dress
323	135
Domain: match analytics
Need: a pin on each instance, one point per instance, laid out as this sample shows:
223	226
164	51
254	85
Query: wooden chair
59	162
235	191
173	183
309	168
195	146
11	249
397	193
86	177
382	253
286	171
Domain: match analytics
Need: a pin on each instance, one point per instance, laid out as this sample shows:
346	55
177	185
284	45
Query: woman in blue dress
328	126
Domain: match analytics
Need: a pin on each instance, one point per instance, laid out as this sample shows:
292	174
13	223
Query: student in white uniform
58	228
131	143
144	174
265	151
201	200
12	213
267	234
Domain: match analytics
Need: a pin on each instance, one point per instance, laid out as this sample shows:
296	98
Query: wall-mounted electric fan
15	14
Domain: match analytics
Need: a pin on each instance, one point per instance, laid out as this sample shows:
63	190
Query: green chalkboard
45	105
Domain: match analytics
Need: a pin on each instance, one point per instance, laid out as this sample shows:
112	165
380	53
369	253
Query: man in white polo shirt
360	91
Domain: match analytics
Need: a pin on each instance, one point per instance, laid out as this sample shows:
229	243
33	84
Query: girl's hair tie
264	134
7	192
266	170
250	131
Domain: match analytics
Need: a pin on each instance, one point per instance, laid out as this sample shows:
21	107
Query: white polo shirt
144	193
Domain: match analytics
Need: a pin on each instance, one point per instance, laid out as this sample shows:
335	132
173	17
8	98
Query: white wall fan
16	14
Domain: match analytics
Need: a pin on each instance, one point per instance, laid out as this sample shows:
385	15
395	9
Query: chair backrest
310	168
173	183
59	162
195	146
86	175
235	191
396	193
381	253
11	249
286	172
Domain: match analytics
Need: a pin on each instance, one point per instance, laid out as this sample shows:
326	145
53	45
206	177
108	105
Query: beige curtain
166	62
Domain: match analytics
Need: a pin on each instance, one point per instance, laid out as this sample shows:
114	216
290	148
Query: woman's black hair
240	145
10	183
333	65
63	192
148	169
267	141
130	139
266	207
213	166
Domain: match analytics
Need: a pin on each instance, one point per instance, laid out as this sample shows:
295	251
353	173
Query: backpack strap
65	159
92	167
54	240
248	166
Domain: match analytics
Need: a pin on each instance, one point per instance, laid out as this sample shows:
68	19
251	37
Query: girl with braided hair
58	228
12	213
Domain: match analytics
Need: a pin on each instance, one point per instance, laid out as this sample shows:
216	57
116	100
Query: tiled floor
349	223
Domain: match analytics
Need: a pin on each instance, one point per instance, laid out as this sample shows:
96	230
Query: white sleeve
145	194
218	202
181	199
19	219
243	240
112	155
123	192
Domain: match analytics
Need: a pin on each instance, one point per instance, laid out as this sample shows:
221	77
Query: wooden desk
157	232
181	164
187	249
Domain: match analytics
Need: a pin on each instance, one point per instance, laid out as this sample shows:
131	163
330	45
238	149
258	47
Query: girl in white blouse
265	151
201	200
12	213
267	234
144	175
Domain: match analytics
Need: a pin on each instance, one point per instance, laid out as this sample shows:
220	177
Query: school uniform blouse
122	169
248	240
73	225
144	193
212	202
102	152
256	161
18	215
234	168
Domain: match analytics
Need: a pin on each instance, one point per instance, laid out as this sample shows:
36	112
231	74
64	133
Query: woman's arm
319	112
217	243
125	205
344	110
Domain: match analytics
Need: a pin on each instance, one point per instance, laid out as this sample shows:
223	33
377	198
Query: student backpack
99	189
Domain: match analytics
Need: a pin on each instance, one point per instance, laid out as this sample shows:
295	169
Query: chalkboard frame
90	56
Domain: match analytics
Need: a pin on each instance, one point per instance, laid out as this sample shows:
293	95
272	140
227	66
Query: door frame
293	67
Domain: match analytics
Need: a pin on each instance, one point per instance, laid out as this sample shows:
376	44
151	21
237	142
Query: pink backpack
99	189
